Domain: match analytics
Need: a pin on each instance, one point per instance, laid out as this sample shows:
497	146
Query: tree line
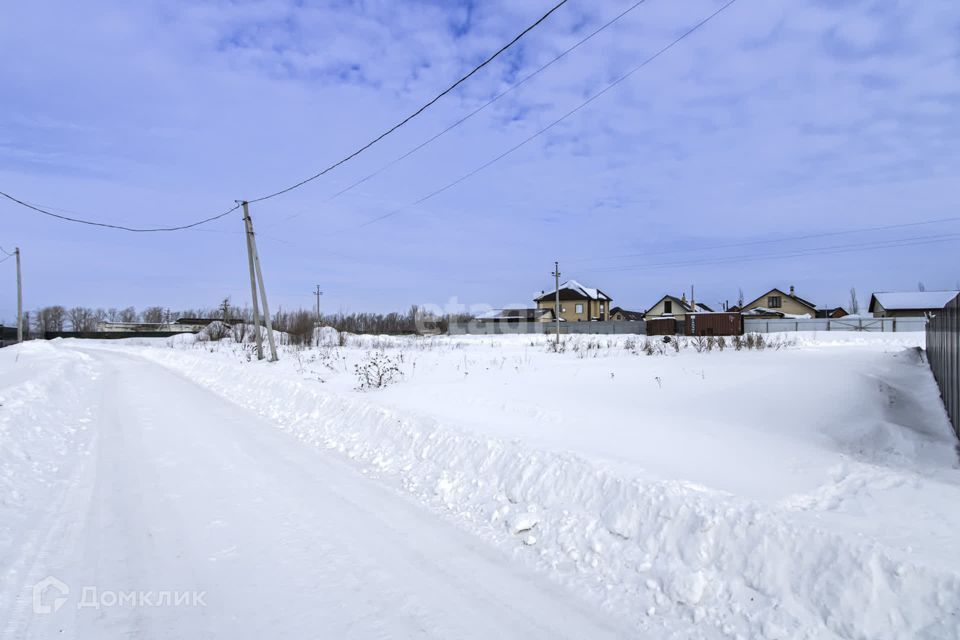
299	324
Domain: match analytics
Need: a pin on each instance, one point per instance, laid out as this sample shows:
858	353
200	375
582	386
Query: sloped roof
680	302
628	315
518	314
785	295
572	285
893	300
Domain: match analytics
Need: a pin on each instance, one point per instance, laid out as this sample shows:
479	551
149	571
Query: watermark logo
49	595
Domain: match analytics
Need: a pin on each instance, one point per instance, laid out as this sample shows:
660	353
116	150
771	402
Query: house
516	316
905	304
833	314
577	302
622	314
672	307
777	304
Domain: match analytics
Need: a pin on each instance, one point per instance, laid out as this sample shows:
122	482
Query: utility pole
16	251
257	282
556	307
248	232
318	293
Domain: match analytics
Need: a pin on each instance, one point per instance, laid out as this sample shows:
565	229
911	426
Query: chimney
683	297
791	291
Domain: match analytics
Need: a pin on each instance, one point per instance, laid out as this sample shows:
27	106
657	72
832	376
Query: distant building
836	312
577	302
181	325
622	314
511	316
777	304
906	304
673	307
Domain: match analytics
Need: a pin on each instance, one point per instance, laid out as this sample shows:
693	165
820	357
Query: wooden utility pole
255	258
318	293
248	227
556	307
16	251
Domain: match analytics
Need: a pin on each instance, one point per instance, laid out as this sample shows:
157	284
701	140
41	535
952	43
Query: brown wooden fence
943	352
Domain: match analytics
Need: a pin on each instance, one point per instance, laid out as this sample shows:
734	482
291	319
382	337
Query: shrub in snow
377	371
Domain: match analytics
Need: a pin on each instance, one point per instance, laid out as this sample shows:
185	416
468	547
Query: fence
110	335
478	328
762	325
750	325
943	353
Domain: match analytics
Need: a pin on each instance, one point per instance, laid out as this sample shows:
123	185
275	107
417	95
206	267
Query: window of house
774	302
579	308
668	306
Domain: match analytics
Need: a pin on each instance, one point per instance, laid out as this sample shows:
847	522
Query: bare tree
740	297
50	319
921	286
854	303
81	319
152	315
128	315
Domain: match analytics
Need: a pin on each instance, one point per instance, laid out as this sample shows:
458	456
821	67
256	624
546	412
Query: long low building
908	304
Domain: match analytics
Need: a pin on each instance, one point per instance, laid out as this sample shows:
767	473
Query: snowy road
184	492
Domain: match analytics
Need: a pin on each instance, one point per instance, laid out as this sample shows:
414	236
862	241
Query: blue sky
778	119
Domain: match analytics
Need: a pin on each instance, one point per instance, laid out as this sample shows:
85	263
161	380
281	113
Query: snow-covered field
805	490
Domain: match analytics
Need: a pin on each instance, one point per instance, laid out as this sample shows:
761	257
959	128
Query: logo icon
60	589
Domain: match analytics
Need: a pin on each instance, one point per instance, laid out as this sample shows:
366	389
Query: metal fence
762	325
750	325
478	328
943	353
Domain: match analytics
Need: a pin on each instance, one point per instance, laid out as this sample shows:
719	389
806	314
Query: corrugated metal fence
762	325
479	328
943	352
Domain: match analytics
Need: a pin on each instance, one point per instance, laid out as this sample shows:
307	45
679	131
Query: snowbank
656	548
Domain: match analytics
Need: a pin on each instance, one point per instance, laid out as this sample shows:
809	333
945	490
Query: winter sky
777	119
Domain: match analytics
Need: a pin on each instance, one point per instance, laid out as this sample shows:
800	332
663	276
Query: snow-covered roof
912	299
514	314
573	285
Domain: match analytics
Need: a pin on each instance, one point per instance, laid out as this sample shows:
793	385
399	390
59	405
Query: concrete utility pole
556	277
253	284
318	293
16	251
254	260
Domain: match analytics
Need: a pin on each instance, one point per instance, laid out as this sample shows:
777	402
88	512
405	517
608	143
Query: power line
540	132
120	227
418	111
749	243
9	255
492	100
375	140
483	106
7	252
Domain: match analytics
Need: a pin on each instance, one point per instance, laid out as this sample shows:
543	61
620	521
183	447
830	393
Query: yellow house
672	307
777	304
577	302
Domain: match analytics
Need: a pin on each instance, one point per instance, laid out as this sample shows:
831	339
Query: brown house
777	304
577	302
